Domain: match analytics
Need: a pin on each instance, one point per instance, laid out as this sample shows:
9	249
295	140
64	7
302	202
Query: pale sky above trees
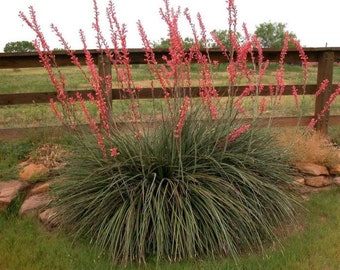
313	22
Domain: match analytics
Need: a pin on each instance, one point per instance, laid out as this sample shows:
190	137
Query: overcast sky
316	23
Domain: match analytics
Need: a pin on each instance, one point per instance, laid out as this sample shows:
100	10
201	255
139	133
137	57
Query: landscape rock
336	181
337	153
299	181
47	217
311	168
318	181
335	170
9	190
40	188
32	171
34	203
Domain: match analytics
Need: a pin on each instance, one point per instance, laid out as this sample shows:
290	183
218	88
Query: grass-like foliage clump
212	198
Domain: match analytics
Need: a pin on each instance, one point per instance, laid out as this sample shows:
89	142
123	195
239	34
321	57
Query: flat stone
318	181
299	181
32	171
34	203
48	218
9	190
311	168
335	170
336	181
40	188
337	153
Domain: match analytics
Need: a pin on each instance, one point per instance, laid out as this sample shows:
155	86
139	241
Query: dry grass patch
309	146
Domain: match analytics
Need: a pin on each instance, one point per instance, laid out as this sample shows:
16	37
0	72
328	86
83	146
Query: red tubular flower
219	43
55	110
247	91
240	108
114	152
94	127
203	31
182	116
329	102
33	24
311	124
284	49
231	8
263	104
74	58
231	69
232	136
303	57
322	87
295	95
280	81
193	29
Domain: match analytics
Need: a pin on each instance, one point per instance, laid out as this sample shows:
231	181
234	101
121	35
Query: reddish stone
318	181
32	171
9	190
335	170
311	168
40	188
336	181
48	218
34	203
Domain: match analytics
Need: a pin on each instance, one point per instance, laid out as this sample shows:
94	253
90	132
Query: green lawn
27	80
314	243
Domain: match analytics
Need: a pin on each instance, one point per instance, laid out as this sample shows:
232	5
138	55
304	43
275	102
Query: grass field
36	80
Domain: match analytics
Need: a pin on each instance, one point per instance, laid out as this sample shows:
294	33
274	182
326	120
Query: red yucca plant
194	178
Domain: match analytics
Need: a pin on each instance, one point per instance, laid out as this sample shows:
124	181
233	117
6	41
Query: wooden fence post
325	71
104	70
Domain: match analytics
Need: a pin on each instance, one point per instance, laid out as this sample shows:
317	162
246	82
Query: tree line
271	35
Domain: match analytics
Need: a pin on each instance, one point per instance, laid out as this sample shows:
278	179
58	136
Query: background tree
224	37
272	35
19	46
164	43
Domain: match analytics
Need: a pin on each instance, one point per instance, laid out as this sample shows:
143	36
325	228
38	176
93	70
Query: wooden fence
325	57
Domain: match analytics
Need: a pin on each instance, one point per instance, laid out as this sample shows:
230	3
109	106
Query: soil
11	134
29	132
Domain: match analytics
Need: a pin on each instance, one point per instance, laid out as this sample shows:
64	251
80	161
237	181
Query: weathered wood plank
325	72
30	59
145	93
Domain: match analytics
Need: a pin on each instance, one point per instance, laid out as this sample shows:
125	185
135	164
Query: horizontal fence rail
44	97
325	57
